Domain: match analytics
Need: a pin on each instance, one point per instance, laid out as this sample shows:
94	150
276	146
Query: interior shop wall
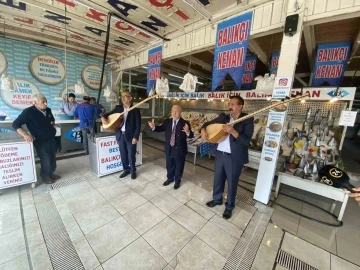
19	54
201	105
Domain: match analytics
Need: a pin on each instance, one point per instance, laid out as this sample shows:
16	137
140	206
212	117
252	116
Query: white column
290	47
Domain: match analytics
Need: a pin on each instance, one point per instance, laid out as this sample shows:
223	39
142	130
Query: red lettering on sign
329	71
160	3
333	54
154	73
96	15
233	34
249	65
230	59
77	37
275	62
182	15
52	27
66	2
144	35
247	78
119	26
154	58
23	20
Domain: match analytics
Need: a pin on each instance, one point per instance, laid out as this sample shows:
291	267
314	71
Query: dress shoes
213	203
177	185
133	175
227	213
167	182
55	177
124	174
47	180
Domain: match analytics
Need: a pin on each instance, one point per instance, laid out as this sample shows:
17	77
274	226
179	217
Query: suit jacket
180	147
132	124
239	146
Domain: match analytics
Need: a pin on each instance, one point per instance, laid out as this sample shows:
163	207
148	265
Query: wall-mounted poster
22	97
71	89
91	76
47	69
3	63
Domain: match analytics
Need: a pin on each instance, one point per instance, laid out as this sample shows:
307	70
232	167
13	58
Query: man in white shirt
230	154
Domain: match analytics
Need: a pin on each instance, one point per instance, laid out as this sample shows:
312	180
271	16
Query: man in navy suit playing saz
177	130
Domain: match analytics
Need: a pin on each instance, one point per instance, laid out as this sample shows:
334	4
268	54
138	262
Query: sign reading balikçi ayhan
153	68
91	76
47	69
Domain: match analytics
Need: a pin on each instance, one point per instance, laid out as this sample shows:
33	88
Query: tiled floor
139	224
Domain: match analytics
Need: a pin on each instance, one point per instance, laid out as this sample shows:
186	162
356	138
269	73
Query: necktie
172	139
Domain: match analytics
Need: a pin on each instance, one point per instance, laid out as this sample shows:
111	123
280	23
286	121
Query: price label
347	118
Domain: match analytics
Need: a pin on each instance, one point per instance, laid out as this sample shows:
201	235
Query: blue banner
274	62
232	40
153	69
330	64
249	72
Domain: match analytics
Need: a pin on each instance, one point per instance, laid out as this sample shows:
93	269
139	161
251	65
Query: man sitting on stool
128	134
230	154
177	130
41	124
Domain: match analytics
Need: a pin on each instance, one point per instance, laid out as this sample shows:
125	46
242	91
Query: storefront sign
3	63
346	93
282	87
153	69
232	38
91	76
17	164
108	155
274	62
22	97
47	69
71	89
249	72
330	63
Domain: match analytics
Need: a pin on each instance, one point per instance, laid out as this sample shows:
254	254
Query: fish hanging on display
305	125
315	168
317	141
298	133
308	113
299	173
292	158
306	146
326	130
330	115
302	161
322	136
322	122
317	115
283	137
318	130
289	125
320	153
291	134
331	141
312	124
307	169
309	133
326	161
289	142
261	141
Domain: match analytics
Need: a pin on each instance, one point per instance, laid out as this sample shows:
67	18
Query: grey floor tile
185	185
148	176
200	209
138	255
272	237
86	254
348	250
34	234
197	255
159	183
168	238
226	226
219	210
72	228
241	219
64	211
126	202
179	196
166	203
99	268
10	221
306	252
103	181
189	219
111	238
138	182
340	264
198	194
40	258
96	217
19	263
27	199
12	245
144	217
349	233
75	190
285	222
168	267
30	213
149	191
114	190
9	192
85	201
218	239
246	207
265	259
9	204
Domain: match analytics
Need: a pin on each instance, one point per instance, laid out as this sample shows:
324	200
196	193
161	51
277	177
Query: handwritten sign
47	69
91	76
71	89
347	118
22	97
108	153
3	63
17	164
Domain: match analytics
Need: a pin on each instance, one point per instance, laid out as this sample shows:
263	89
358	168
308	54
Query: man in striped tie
177	130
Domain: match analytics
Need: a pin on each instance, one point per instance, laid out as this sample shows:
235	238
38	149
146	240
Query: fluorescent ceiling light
144	67
200	83
130	73
176	76
177	84
202	12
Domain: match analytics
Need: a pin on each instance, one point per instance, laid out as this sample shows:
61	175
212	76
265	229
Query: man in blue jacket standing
85	112
127	134
230	154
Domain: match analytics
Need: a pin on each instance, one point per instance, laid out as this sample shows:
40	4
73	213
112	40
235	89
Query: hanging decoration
8	83
265	84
